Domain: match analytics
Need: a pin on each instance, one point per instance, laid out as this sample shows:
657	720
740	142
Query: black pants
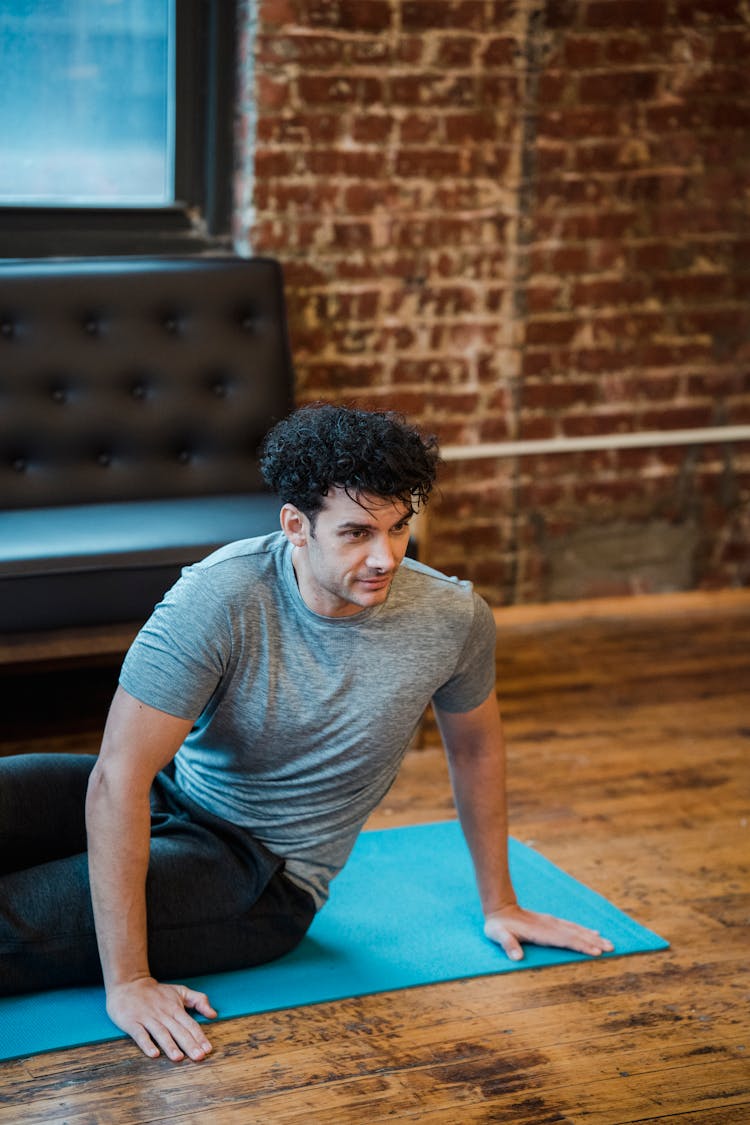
216	898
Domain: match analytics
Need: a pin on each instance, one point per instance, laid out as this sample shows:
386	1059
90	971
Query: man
262	713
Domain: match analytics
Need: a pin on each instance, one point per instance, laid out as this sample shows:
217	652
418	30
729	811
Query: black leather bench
133	398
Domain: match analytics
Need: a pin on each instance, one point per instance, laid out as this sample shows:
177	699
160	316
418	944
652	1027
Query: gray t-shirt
301	721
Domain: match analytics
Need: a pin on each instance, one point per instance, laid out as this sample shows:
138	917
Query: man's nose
382	555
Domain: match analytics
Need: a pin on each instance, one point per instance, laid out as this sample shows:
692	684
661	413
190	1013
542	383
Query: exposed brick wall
524	219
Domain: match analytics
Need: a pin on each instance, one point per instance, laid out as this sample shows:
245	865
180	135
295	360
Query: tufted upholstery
133	397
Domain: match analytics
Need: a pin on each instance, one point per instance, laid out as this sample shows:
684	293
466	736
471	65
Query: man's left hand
512	924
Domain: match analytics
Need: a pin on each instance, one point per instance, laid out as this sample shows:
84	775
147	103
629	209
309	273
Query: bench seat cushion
94	564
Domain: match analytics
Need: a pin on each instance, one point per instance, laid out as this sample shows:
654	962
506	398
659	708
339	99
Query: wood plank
628	749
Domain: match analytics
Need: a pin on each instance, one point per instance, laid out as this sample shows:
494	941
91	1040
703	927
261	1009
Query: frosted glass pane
86	102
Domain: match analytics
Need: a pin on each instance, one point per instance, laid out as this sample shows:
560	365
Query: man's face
346	562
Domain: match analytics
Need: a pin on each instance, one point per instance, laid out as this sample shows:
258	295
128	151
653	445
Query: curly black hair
320	447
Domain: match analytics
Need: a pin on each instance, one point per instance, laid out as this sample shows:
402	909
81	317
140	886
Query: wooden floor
629	736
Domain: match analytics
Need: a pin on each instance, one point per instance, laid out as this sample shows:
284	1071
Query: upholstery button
20	464
247	322
219	388
104	459
184	456
92	326
171	324
138	391
7	329
59	394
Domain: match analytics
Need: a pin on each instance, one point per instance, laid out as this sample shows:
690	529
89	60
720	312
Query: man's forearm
479	791
476	756
119	839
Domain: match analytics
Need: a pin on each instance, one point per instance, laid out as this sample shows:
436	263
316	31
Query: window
116	120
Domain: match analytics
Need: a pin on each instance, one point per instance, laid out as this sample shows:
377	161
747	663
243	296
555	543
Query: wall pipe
704	436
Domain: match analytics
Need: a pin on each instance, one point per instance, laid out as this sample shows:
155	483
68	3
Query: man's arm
138	742
475	749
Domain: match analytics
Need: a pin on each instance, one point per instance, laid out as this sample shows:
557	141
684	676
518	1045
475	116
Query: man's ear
294	524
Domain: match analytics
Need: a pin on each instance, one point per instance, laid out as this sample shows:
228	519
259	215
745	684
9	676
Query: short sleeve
179	656
474	675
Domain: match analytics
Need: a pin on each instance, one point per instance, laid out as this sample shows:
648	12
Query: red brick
500	50
357	163
718	385
327	377
372	128
589	425
460	127
588	225
277	12
437	232
559	331
543	298
679	418
428	162
281	195
537	362
562	13
427	15
582	52
569	259
362	198
321	89
270	93
674	355
625	14
620	291
345	15
655	388
551	158
652	256
620	86
599	156
551	395
499	91
310	50
457	51
420	128
431	371
553	191
270	162
622	50
431	90
732	44
409	49
598	360
540	428
572	122
690	287
300	130
553	87
489	161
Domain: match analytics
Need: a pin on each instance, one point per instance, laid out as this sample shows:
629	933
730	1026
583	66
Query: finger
584	940
496	932
161	1035
199	1002
189	1037
143	1040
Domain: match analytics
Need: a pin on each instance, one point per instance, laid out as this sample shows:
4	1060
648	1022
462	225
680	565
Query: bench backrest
127	379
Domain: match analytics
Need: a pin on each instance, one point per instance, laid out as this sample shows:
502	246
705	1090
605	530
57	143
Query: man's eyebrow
357	525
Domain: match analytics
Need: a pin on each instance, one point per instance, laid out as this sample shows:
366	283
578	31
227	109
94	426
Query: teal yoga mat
404	912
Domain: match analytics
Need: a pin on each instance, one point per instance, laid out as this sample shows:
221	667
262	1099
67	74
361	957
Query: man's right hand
155	1016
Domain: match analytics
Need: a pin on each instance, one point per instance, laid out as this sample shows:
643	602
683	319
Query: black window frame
201	221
